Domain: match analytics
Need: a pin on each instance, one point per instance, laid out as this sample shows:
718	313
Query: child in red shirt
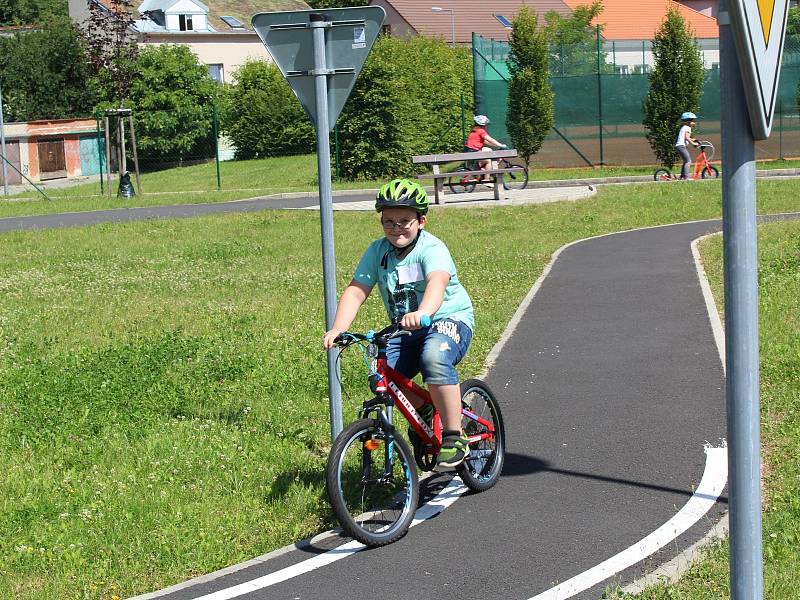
479	139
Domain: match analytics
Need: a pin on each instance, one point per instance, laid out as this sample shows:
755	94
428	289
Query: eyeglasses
404	224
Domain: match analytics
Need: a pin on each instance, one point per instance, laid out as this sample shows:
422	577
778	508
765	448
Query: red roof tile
468	16
640	19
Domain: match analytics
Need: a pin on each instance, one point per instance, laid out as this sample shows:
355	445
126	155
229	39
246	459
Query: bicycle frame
701	164
390	386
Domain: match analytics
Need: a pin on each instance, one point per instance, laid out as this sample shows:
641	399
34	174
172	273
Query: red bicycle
703	169
371	474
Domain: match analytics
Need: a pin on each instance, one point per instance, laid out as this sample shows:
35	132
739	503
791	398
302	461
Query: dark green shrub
263	117
530	96
405	102
173	99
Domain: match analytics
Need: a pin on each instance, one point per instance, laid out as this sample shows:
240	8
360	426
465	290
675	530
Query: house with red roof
627	25
640	19
458	19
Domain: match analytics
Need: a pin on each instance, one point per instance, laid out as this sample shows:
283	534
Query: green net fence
599	91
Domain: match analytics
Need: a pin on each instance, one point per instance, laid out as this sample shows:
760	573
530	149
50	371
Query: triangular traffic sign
759	27
348	40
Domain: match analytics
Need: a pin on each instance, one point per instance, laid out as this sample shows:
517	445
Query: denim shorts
433	351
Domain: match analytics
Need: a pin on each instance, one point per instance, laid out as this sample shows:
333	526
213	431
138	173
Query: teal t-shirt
402	282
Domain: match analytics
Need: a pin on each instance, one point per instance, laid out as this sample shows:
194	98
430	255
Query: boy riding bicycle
416	277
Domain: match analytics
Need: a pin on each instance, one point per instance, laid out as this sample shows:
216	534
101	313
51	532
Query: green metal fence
598	115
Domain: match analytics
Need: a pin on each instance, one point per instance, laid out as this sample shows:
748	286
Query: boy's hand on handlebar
329	339
413	320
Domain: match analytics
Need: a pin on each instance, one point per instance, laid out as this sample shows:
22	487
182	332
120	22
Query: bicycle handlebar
381	337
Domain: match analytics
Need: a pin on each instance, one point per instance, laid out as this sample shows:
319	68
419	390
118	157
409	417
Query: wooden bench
438	159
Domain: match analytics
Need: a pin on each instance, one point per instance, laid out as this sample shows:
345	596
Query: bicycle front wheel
709	172
514	181
372	483
483	424
662	175
460	184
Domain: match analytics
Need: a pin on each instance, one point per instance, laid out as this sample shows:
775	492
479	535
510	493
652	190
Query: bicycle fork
370	445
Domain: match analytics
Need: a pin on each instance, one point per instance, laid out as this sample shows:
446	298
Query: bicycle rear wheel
662	175
514	181
480	415
460	184
372	483
709	172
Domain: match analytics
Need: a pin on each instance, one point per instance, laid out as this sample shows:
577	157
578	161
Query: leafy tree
530	96
793	21
573	40
262	115
173	101
44	73
31	12
676	85
401	106
112	48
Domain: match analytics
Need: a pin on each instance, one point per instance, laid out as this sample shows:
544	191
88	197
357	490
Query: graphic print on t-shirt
403	301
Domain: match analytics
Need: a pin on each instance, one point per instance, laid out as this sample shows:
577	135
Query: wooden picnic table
435	160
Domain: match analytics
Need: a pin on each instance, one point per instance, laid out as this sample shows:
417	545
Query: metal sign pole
322	74
3	145
318	25
741	324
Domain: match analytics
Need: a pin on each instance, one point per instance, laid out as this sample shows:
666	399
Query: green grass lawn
779	332
163	407
247	179
185	185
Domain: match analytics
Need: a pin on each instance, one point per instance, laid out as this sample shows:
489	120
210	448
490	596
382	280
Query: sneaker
455	448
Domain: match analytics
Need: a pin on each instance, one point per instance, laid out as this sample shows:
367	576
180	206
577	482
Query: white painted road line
713	482
443	499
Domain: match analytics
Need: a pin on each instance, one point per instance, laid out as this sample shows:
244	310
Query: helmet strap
401	252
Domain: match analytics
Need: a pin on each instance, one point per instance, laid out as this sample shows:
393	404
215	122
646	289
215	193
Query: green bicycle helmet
402	193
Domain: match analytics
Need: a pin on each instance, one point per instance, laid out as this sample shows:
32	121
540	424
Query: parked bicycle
371	474
513	180
703	169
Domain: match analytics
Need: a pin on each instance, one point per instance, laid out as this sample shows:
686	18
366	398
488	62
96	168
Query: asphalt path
125	215
611	385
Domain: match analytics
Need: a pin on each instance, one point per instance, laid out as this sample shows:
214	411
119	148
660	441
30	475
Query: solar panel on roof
232	22
503	21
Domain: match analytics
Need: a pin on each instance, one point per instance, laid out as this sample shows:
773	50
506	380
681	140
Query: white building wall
231	54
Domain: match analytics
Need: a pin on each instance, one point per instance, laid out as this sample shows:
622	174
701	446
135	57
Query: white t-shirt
685	130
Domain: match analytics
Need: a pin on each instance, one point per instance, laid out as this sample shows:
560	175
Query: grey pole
318	25
741	324
3	145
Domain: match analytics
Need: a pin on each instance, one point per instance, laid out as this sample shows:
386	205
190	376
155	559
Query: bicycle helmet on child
688	116
481	120
402	193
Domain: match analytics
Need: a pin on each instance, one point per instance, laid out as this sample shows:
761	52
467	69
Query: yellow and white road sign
759	27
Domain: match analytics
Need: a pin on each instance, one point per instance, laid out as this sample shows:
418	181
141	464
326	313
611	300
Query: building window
621	69
217	73
185	22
